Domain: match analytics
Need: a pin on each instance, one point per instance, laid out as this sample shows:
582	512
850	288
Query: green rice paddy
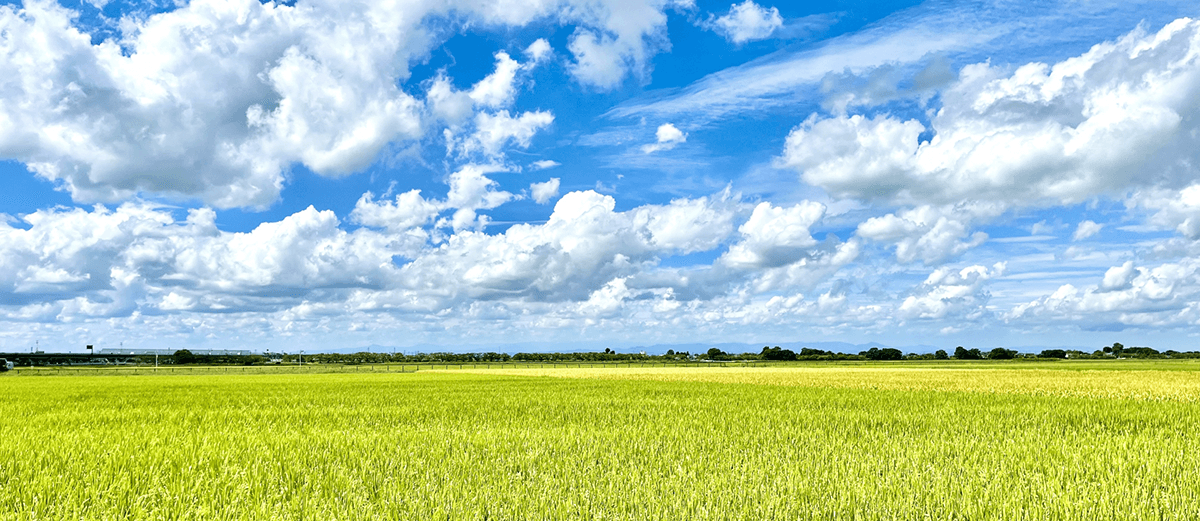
1113	440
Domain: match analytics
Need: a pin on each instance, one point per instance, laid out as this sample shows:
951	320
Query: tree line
776	353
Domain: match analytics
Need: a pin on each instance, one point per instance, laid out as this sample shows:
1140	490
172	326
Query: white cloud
814	267
543	164
931	234
73	264
470	191
538	50
1086	229
947	292
1118	277
1041	228
775	236
667	137
545	191
1098	124
633	32
491	131
688	225
584	245
607	300
217	99
747	21
451	106
907	37
494	132
1178	210
599	60
497	90
218	121
854	156
409	210
777	250
1127	296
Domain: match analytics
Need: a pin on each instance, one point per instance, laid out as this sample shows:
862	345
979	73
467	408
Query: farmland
1066	440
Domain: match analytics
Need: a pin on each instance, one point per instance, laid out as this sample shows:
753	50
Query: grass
868	441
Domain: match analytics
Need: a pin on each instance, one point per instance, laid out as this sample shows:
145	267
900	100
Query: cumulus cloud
497	89
688	225
1118	277
139	259
747	21
493	129
538	50
217	99
1114	118
607	300
545	191
494	132
450	105
471	190
632	33
177	116
584	245
777	249
1126	296
409	210
931	234
947	292
1086	229
543	164
667	137
1178	210
775	236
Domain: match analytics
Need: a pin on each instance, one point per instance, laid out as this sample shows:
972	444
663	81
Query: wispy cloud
973	31
773	79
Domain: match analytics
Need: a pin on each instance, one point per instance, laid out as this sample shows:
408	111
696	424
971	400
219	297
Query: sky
580	174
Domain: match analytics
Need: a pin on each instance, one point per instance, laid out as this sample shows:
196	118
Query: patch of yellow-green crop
1178	381
494	446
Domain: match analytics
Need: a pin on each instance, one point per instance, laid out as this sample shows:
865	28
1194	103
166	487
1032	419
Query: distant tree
1053	353
1117	348
183	356
670	352
608	351
777	353
1139	352
253	359
963	353
886	353
940	354
1001	353
716	354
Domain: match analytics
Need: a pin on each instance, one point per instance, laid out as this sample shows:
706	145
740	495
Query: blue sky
584	173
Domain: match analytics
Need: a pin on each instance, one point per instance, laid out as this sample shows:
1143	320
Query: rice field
1116	440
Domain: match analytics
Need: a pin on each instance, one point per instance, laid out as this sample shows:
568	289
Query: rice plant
622	444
